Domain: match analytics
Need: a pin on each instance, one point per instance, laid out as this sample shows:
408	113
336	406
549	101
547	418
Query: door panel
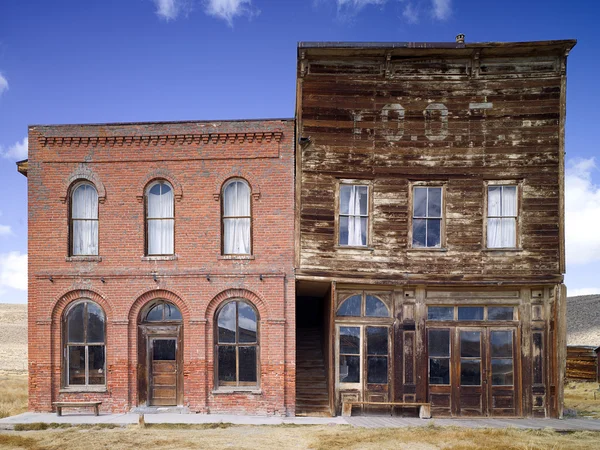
440	377
471	372
163	372
502	379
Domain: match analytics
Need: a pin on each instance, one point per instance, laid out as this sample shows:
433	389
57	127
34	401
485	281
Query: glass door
472	395
502	380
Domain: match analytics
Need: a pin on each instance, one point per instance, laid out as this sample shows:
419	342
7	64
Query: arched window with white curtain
84	220
160	219
237	219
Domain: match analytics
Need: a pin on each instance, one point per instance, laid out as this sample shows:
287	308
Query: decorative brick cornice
171	139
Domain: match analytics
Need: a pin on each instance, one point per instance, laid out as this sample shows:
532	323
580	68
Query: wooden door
163	371
502	371
470	372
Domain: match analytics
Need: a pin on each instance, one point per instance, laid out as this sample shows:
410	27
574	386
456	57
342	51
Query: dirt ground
13	337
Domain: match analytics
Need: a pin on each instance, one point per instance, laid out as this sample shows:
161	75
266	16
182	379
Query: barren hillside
13	337
583	320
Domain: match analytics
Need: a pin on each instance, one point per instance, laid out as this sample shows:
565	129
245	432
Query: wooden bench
424	408
61	405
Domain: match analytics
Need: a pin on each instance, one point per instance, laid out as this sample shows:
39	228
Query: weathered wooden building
430	226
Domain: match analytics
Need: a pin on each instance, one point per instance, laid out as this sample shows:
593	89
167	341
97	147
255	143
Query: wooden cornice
163	139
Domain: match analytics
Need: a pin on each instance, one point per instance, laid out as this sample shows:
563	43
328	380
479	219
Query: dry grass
584	398
13	337
13	393
300	437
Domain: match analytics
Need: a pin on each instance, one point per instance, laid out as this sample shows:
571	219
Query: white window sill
236	257
237	390
82	258
160	258
75	389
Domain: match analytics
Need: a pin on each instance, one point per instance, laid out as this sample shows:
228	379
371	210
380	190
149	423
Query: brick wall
196	158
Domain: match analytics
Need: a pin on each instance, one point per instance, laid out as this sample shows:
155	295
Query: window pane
160	201
494	233
350	340
349	369
345	193
353	231
96	364
361	205
377	341
246	323
419	232
163	349
434	205
226	323
172	312
95	328
440	313
160	237
75	324
470	346
439	343
509	201
470	372
343	230
247	364
85	203
236	236
226	355
501	313
470	313
433	232
375	307
377	369
439	371
502	372
420	202
85	237
77	364
502	344
350	307
236	199
494	201
509	233
156	313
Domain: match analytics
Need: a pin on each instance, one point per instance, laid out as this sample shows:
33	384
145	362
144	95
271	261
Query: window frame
66	344
147	219
71	232
337	199
228	385
250	202
411	194
503	183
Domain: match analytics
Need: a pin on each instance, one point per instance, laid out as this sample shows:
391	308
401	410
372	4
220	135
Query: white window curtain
353	215
502	217
161	220
84	215
236	218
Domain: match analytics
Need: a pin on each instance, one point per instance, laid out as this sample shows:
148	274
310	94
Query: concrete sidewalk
575	424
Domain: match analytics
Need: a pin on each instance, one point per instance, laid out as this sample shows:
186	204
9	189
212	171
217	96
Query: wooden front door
469	365
163	371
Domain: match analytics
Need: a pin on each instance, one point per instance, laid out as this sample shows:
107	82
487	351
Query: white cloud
13	271
410	13
441	9
229	9
5	230
17	151
3	84
582	212
583	291
170	9
358	4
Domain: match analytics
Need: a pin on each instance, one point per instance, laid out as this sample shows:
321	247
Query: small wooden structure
424	408
61	405
582	363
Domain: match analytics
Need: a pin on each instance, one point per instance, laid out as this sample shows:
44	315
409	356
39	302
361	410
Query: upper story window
354	215
237	219
502	217
84	220
160	219
84	344
427	217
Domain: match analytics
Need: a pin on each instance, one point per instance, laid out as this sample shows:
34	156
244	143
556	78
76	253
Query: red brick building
161	265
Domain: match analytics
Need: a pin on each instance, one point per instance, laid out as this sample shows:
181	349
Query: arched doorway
160	355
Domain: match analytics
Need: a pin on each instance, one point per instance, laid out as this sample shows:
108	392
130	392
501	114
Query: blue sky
78	61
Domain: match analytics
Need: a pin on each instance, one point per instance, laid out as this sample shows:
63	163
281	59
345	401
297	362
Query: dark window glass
350	340
171	312
226	323
427	217
163	349
377	341
96	364
501	313
502	344
246	323
75	324
538	362
247	364
77	364
470	313
419	232
434	203
439	343
375	307
377	369
95	329
470	344
470	372
226	355
350	307
349	369
433	232
155	314
439	371
440	313
502	372
420	202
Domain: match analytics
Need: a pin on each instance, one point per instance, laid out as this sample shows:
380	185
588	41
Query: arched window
163	311
237	345
85	344
363	305
84	220
236	218
160	219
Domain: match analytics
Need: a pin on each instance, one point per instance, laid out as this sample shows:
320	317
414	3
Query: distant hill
13	337
583	320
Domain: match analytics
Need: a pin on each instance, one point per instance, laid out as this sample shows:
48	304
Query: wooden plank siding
582	364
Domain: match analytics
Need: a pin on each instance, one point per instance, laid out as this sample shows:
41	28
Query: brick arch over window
147	296
224	177
65	299
155	175
229	294
82	173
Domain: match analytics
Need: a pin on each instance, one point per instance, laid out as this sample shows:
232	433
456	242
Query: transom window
160	219
354	215
237	220
85	342
237	345
502	217
84	220
427	217
163	311
471	313
363	305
